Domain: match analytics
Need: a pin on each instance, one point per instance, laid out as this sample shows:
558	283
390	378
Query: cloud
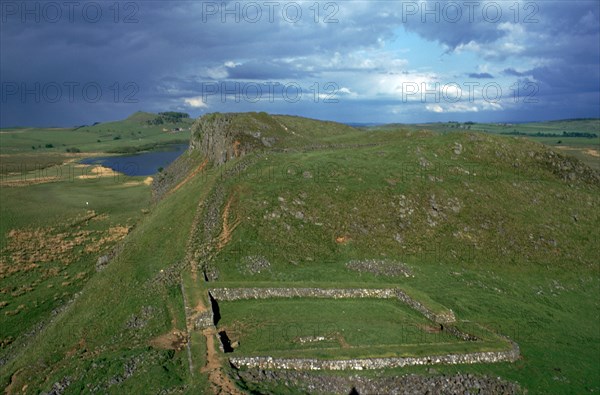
195	102
512	72
449	108
434	108
480	75
370	51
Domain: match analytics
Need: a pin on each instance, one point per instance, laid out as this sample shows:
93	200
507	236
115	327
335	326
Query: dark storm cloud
568	26
153	55
568	77
456	23
151	42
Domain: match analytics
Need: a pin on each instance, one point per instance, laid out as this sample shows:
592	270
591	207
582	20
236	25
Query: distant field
143	313
561	135
130	134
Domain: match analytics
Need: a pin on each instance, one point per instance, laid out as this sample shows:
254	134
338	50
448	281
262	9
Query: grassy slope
513	250
90	341
580	147
50	217
512	247
58	211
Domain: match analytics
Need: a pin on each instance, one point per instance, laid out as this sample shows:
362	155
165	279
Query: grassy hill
134	133
577	137
501	231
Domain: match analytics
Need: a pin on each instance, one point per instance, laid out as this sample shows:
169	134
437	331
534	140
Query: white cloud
463	107
434	108
195	102
347	92
218	72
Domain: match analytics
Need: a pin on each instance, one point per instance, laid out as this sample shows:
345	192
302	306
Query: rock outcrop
222	137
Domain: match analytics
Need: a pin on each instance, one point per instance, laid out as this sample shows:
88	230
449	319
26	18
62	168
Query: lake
142	164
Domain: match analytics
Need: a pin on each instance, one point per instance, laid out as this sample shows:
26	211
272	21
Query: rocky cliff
218	138
222	137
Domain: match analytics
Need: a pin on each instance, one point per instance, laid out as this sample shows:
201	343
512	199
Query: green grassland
51	236
503	232
129	135
56	224
284	328
591	125
91	341
562	135
375	195
495	233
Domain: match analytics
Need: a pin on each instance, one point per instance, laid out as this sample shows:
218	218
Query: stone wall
176	172
204	320
376	363
266	362
443	317
319	383
230	294
459	334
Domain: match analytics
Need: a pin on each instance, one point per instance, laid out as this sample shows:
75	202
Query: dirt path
340	338
189	177
228	229
221	383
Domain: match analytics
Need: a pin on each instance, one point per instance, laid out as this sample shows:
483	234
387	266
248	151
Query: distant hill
141	116
577	137
138	132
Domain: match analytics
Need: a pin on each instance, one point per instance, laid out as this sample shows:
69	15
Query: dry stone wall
376	363
410	384
443	317
204	320
266	362
230	294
